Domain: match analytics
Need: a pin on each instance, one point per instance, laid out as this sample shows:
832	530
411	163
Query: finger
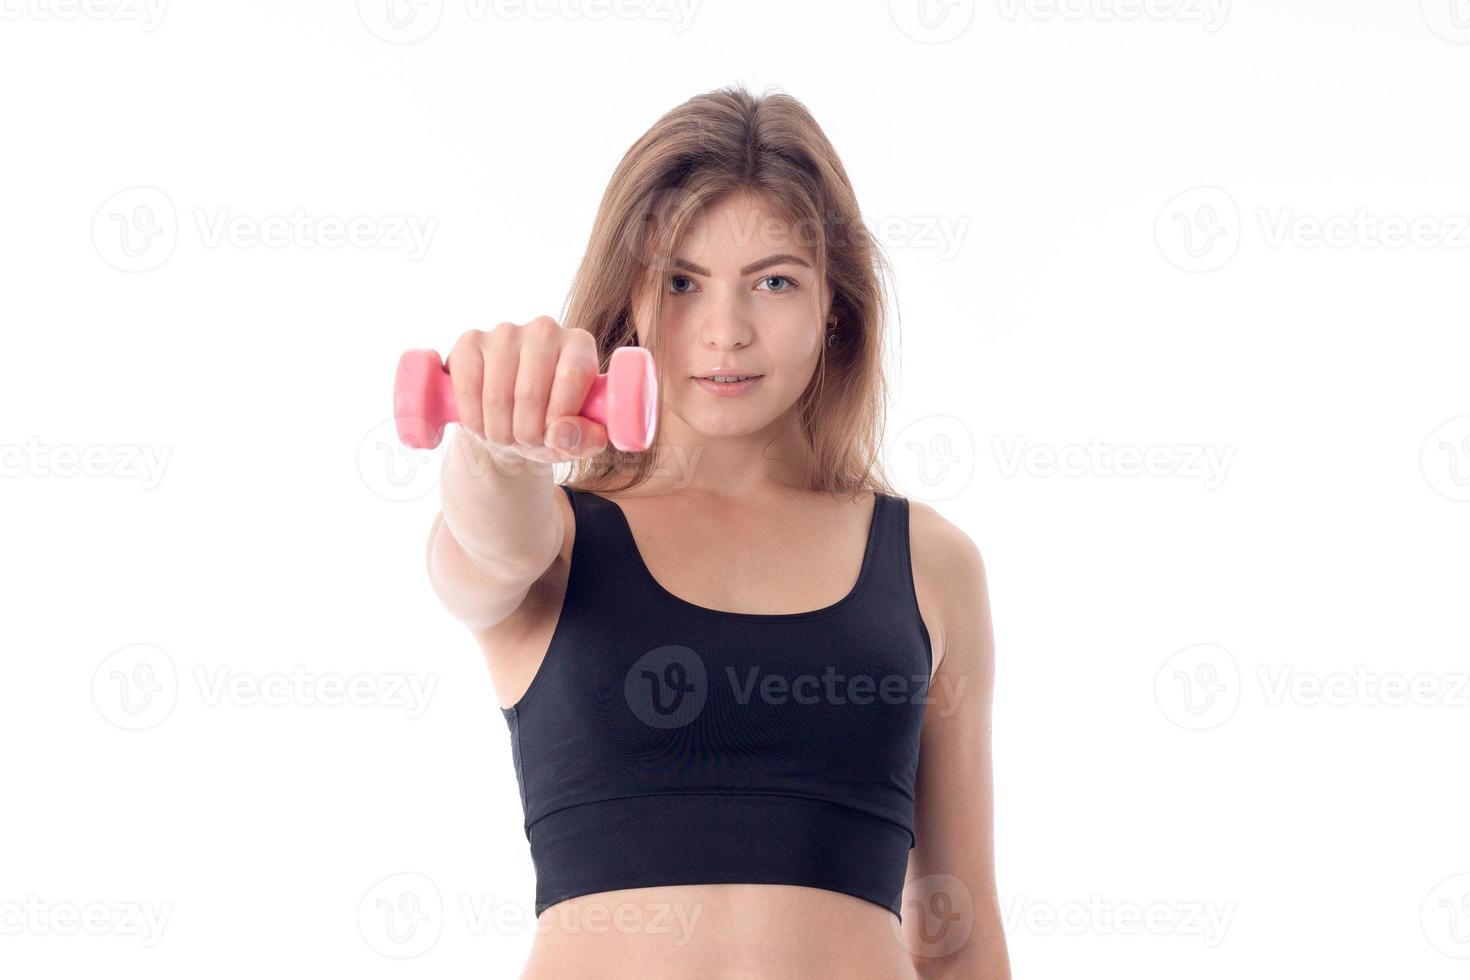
497	394
576	437
540	348
576	369
466	366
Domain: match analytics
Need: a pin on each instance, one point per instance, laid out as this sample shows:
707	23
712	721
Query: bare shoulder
949	577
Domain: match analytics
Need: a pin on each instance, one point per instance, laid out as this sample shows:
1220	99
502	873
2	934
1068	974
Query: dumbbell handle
624	400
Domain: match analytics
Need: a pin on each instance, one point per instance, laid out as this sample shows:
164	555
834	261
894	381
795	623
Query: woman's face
742	298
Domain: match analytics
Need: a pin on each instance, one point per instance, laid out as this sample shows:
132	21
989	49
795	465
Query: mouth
726	378
727	385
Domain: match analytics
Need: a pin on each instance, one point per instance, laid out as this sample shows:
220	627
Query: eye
793	283
675	279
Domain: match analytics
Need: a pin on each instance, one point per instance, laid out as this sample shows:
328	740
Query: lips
727	389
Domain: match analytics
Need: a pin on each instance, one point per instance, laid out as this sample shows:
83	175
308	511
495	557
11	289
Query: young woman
748	687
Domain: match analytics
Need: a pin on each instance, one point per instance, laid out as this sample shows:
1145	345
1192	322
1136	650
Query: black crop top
664	743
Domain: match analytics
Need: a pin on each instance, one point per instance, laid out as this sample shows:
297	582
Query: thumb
576	436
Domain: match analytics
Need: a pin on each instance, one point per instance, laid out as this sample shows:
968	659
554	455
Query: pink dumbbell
625	399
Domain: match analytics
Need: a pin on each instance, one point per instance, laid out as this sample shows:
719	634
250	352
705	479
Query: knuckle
495	394
528	388
580	354
465	370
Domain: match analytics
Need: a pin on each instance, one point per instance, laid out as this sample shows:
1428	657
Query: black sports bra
664	743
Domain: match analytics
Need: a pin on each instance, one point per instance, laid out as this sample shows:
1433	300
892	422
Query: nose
724	323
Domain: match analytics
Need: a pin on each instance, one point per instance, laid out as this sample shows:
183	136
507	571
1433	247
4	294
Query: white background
1102	223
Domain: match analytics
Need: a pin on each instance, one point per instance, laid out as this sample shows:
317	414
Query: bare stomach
718	932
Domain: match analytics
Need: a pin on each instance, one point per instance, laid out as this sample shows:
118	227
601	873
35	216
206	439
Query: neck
727	466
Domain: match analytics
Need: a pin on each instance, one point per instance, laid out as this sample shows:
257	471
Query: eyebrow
769	260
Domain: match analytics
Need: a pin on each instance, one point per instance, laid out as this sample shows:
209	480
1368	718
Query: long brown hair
716	144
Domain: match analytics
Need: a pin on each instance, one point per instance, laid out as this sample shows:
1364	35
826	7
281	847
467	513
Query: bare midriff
718	932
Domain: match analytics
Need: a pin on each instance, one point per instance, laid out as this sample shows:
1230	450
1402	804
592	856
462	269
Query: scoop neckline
869	550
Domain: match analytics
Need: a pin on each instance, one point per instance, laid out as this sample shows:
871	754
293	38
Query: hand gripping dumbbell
624	400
